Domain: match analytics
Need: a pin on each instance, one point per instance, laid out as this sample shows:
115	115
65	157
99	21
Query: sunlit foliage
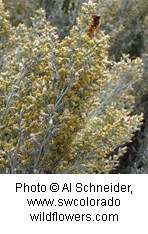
65	107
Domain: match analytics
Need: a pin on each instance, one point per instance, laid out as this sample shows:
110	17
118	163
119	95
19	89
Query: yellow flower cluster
63	109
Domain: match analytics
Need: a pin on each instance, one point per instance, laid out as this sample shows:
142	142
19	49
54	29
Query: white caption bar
73	204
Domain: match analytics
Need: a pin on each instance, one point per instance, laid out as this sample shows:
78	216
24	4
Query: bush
61	13
21	11
65	107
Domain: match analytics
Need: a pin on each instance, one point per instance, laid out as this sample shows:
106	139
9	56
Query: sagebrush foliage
61	13
65	107
124	21
21	11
